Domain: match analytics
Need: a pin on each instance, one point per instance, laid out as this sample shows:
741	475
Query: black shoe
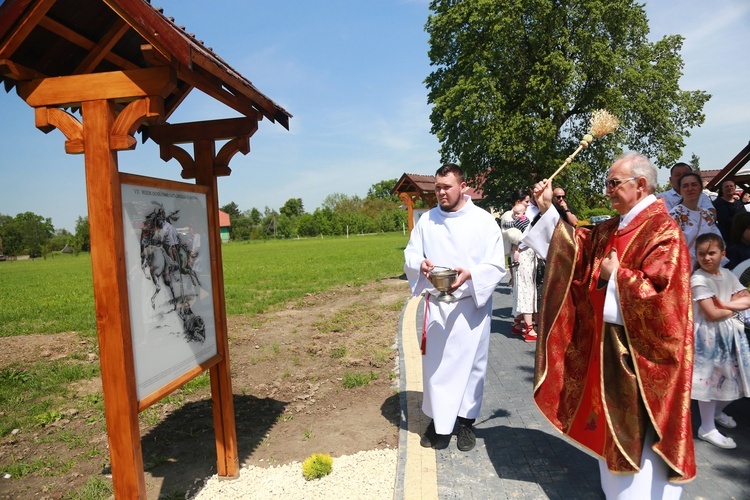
429	436
441	441
466	438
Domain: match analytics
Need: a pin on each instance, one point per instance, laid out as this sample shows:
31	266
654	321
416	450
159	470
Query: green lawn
56	294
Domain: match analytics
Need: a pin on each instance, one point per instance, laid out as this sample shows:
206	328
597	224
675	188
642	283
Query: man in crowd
672	197
455	340
561	204
615	352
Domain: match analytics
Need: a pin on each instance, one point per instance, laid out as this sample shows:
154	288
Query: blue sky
351	72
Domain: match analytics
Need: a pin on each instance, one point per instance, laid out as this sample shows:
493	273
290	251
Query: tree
382	190
36	231
254	215
270	222
61	238
514	88
11	235
292	208
82	239
232	209
695	162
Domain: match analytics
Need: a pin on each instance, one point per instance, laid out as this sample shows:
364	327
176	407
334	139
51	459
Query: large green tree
515	83
26	233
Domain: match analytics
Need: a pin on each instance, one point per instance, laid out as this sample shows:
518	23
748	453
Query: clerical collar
638	208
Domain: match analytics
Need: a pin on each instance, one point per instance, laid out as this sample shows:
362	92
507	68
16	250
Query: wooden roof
51	38
423	184
733	169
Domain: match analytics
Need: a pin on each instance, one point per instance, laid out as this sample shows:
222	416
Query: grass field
56	294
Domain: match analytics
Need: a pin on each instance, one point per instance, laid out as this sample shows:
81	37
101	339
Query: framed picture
168	262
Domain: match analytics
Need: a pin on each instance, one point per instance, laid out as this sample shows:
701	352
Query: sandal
717	439
529	334
517	327
725	420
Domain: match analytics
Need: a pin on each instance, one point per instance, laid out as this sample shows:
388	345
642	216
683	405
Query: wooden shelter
411	188
733	171
99	71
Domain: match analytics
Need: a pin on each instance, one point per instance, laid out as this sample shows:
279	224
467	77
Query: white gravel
367	474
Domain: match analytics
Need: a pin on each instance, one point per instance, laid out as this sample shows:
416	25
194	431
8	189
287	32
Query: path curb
417	466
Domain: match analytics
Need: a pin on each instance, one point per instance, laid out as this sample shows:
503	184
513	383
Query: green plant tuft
316	466
358	379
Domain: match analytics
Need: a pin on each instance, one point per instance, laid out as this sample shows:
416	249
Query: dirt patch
290	368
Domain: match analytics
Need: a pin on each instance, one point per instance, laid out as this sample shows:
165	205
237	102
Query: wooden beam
731	168
214	130
154	57
17	71
227	456
239	144
28	22
100	51
169	151
72	90
238	86
214	88
47	119
154	28
73	37
149	109
111	301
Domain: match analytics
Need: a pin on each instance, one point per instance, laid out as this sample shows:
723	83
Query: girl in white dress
721	364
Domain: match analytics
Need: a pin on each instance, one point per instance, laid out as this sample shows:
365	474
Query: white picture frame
169	279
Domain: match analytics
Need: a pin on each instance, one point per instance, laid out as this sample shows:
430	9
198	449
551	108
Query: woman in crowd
692	219
519	199
524	284
727	206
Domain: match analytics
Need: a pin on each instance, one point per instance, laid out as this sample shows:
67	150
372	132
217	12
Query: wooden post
221	381
111	299
409	202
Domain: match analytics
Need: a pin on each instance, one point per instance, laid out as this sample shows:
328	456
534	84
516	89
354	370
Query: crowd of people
606	306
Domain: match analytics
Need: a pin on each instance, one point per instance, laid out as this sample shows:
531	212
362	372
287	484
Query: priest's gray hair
640	166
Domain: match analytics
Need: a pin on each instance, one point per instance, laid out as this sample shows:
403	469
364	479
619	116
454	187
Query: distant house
413	187
224	224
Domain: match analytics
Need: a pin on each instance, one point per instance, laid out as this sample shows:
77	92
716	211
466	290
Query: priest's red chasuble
603	384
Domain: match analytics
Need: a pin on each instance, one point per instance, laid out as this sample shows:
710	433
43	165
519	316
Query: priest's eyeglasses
613	183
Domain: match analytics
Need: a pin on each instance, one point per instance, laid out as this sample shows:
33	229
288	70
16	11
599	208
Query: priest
615	352
455	338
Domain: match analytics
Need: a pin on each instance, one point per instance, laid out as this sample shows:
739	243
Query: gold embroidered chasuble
641	372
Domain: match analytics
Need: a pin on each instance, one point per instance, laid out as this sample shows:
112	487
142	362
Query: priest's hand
543	195
462	277
425	268
610	263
